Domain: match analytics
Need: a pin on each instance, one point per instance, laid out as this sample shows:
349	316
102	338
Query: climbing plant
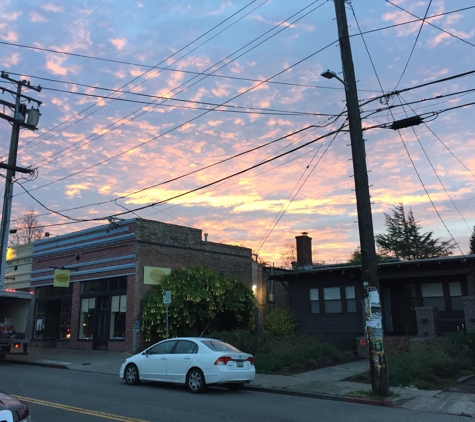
201	299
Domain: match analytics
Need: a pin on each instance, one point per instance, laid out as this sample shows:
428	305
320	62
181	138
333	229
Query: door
101	323
153	365
180	361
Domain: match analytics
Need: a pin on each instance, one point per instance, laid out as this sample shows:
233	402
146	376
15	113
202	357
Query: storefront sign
154	275
61	277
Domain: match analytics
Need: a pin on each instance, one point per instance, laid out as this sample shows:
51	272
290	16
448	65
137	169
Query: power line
414	45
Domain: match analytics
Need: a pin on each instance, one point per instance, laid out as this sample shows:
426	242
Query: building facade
111	269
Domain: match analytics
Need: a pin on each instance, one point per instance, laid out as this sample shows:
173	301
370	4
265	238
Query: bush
279	322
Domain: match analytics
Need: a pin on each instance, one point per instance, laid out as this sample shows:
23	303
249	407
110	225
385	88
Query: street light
330	74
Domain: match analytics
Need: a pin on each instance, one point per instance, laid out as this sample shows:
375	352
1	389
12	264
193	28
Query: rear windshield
219	346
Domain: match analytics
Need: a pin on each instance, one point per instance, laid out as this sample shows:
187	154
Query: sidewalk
326	383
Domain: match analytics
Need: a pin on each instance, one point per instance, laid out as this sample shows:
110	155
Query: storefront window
53	313
86	320
117	320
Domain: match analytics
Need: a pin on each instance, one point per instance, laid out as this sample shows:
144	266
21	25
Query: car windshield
219	346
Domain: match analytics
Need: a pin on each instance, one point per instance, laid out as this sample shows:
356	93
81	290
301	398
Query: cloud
13	16
118	43
49	7
36	17
10	36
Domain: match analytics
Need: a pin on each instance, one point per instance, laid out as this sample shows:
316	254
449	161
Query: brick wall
427	322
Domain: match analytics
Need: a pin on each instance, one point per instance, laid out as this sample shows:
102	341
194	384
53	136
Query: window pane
351	305
313	294
435	302
350	292
117	320
333	306
331	293
455	288
432	290
315	307
86	319
457	304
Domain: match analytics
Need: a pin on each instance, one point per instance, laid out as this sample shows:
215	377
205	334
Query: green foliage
405	241
280	321
472	241
201	299
433	364
355	258
284	354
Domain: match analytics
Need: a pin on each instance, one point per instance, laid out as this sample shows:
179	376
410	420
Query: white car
193	361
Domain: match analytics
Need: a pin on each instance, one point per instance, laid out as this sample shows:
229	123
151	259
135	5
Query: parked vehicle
12	409
195	362
15	323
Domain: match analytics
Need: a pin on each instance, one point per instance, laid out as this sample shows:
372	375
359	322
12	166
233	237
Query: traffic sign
167	297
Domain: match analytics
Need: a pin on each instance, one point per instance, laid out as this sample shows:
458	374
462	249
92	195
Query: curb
46	365
322	396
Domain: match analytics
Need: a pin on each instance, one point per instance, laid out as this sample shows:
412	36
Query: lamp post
369	270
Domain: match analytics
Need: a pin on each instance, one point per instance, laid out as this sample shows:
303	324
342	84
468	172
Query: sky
213	114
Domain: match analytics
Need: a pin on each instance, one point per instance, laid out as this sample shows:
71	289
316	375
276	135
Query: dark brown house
328	299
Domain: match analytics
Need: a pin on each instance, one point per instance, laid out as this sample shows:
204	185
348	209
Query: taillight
223	360
251	360
16	346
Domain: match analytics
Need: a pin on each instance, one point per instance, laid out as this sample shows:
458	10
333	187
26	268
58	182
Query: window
186	347
332	300
314	301
455	290
164	348
433	295
350	299
86	319
117	320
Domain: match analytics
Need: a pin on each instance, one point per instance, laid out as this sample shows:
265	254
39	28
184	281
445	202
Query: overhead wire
400	135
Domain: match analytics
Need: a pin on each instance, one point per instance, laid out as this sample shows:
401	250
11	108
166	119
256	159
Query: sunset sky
212	114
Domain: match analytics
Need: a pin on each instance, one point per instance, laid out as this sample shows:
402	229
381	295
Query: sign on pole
167	299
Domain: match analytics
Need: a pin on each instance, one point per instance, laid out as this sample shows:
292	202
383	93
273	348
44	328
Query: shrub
280	321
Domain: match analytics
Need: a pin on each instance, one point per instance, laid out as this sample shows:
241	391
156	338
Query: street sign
167	297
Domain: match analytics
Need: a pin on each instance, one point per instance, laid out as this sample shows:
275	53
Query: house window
350	298
455	290
332	300
117	321
86	319
314	301
433	295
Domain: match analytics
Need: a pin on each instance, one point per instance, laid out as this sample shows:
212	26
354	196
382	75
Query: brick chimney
304	250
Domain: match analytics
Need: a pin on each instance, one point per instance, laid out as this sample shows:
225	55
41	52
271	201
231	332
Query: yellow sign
61	278
154	275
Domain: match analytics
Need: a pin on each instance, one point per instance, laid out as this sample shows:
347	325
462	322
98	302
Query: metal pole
167	318
379	378
8	195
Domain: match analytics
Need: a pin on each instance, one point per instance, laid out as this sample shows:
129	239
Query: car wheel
235	387
131	374
195	381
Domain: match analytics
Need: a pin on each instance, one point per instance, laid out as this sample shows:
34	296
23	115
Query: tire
131	374
235	387
195	381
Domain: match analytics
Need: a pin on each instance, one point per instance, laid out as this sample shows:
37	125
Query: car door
181	359
154	362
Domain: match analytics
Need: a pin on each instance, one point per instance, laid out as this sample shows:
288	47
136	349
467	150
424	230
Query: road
56	395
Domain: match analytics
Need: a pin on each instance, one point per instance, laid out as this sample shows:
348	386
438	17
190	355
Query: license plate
239	364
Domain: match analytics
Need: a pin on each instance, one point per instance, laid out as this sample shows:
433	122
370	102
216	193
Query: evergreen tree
405	241
472	241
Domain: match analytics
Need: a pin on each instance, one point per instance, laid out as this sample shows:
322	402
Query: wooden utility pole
373	313
20	113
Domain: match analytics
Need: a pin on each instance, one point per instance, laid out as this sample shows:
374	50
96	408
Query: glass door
101	328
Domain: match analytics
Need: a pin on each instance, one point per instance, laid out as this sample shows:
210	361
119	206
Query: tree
405	241
28	228
355	258
201	300
472	241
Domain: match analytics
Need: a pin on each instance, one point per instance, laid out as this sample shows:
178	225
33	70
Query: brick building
112	268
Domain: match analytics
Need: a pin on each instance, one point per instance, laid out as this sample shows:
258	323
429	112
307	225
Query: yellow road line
79	410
